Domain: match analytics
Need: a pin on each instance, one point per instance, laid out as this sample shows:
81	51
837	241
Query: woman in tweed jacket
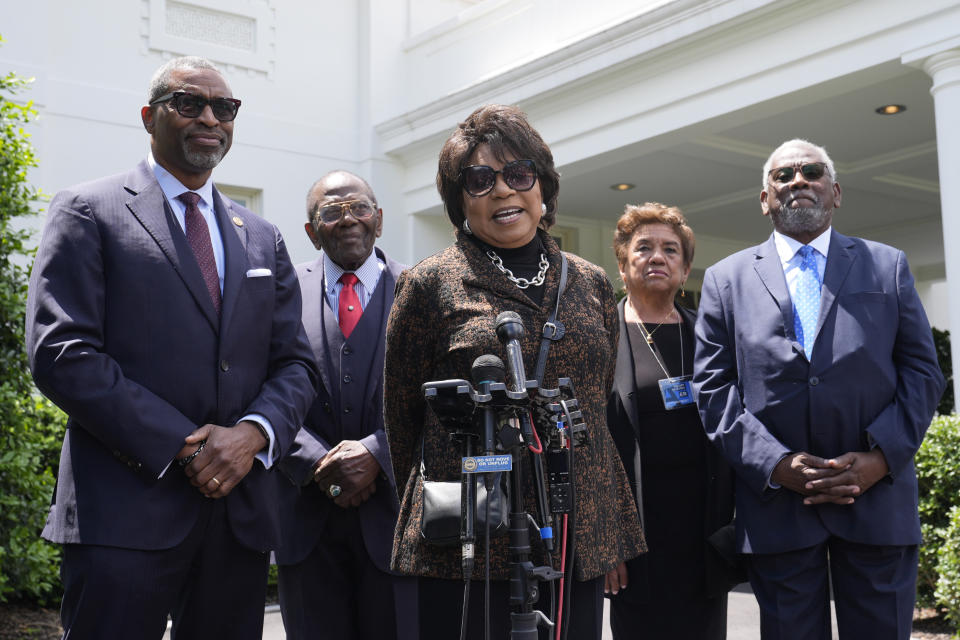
443	318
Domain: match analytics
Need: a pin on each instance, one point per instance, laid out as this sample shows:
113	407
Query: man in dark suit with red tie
164	319
339	507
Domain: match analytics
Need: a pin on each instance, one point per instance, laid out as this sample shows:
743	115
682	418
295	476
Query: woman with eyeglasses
499	187
683	488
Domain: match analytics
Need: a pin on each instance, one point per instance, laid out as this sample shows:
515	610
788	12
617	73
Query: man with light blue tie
817	378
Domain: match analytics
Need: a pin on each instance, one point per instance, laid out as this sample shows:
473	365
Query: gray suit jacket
123	336
872	380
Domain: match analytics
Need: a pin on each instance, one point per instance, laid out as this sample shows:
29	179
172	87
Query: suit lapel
315	315
839	260
234	252
149	206
330	327
770	271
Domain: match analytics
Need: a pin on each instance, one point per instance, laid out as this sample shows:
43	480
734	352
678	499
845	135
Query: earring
543	207
683	294
466	228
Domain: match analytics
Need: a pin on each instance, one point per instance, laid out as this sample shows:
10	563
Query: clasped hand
837	480
226	458
352	467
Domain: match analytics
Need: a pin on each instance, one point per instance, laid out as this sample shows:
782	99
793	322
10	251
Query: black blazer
722	570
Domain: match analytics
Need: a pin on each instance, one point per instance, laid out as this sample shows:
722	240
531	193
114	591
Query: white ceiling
887	166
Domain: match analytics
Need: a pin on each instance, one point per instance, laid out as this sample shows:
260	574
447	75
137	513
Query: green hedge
948	586
31	428
938	475
30	437
941	341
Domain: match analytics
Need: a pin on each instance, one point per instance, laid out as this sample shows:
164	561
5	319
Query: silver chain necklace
522	283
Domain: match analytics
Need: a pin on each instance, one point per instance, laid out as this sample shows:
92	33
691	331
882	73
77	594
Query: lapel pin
237	221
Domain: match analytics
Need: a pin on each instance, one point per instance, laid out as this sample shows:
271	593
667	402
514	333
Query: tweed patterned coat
442	319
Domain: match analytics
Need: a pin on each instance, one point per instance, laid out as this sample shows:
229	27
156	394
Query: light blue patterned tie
806	300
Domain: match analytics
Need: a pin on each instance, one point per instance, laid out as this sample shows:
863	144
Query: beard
801	220
205	159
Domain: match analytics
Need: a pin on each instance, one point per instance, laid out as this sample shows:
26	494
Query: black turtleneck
523	261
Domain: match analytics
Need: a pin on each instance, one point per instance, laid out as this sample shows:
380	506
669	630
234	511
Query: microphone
486	370
510	331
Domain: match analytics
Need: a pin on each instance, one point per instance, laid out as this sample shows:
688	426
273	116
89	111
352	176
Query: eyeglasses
479	179
331	213
190	105
810	171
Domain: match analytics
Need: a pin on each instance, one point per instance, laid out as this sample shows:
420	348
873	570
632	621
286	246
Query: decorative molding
900	228
909	182
240	35
183	20
602	54
751	150
905	153
917	57
726	199
732	145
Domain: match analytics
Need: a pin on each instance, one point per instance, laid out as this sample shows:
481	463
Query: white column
944	68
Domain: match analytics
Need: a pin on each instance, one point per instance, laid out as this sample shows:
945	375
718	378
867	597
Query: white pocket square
258	273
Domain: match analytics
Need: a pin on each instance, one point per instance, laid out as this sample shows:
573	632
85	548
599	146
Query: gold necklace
647	334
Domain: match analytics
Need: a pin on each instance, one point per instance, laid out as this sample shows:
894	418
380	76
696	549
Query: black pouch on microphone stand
440	519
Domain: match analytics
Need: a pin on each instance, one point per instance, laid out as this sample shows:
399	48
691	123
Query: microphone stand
455	402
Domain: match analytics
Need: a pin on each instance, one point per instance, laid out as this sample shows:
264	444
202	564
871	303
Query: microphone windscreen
487	368
509	326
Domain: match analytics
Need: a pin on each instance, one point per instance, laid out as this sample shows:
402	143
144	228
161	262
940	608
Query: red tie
349	305
198	237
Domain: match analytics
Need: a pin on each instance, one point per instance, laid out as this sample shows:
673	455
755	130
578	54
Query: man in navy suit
817	378
164	319
340	507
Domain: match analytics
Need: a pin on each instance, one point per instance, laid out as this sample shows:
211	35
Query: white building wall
375	86
301	114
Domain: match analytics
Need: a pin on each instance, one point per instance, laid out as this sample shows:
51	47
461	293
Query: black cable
466	608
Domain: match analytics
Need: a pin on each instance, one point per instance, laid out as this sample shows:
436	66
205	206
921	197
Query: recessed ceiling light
890	109
623	186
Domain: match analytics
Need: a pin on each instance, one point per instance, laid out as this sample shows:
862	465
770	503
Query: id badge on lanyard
676	392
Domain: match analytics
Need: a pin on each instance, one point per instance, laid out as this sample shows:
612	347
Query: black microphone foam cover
487	368
509	326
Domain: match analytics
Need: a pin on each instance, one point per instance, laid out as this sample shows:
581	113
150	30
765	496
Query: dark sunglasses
331	213
810	171
191	106
479	179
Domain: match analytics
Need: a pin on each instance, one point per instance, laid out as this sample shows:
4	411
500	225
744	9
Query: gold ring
215	480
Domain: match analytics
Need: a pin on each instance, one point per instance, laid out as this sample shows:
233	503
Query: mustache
793	197
219	135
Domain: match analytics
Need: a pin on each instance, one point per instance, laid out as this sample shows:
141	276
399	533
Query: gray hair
160	82
831	171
